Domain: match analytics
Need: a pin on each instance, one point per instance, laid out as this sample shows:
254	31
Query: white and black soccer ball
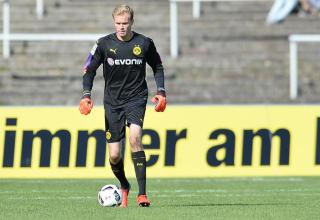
109	196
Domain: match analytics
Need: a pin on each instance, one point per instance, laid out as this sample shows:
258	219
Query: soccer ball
109	196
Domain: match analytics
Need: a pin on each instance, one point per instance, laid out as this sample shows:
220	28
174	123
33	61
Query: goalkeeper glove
86	105
160	100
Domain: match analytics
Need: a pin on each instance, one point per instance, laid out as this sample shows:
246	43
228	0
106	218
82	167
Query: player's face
123	25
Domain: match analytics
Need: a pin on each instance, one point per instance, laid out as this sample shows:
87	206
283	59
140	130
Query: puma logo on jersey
113	50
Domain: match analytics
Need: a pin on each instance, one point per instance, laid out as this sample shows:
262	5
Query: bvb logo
108	135
136	50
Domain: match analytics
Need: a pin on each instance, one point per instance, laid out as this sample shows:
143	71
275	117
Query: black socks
139	162
118	171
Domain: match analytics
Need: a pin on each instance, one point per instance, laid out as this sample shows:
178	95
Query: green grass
214	198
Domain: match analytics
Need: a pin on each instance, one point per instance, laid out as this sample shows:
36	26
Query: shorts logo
136	50
108	135
110	61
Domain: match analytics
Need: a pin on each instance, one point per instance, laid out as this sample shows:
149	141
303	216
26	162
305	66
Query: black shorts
116	118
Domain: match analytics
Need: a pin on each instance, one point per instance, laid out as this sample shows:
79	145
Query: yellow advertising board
183	141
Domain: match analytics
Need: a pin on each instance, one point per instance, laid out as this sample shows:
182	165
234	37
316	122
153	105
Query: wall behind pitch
184	141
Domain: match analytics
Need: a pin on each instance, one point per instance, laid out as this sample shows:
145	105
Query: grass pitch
212	198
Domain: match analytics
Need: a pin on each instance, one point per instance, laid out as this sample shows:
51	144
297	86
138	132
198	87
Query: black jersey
124	67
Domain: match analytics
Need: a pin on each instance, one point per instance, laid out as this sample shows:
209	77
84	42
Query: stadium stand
227	56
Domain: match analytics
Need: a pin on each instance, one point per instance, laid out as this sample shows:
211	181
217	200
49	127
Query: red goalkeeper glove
160	100
85	106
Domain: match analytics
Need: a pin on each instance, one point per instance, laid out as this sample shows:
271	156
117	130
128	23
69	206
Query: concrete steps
228	55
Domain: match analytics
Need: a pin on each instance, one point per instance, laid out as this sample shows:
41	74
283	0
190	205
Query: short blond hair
121	9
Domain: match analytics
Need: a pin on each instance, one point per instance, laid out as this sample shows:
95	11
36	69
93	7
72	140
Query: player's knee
114	158
135	142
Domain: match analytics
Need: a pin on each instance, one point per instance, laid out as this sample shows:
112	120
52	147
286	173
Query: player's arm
93	62
154	60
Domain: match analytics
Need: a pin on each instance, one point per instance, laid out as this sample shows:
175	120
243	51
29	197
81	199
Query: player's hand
85	106
160	101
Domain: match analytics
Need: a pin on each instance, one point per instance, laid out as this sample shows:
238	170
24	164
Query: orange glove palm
160	102
85	106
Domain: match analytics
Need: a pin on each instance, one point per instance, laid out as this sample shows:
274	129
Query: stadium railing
294	39
196	9
39	9
44	37
6	28
173	21
6	36
6	24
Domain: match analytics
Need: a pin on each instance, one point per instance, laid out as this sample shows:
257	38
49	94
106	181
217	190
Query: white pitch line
45	181
56	191
164	195
236	179
289	190
55	198
177	192
7	192
200	180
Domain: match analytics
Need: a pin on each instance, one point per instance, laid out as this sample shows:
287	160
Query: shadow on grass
231	204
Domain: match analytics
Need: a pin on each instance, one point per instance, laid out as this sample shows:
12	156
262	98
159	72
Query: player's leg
135	115
115	131
139	161
116	162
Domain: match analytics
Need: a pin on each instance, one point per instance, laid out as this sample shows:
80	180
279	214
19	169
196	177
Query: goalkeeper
124	55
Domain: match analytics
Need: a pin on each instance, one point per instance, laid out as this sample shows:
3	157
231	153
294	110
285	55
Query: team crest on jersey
136	50
108	135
